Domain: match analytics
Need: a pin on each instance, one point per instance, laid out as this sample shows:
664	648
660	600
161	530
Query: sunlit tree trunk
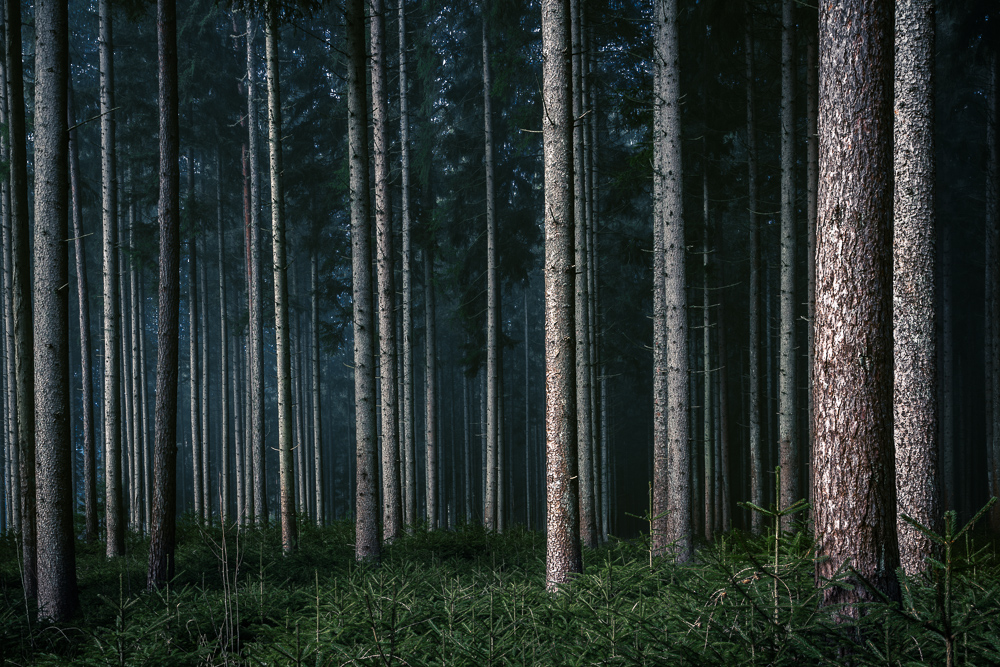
754	373
563	557
162	533
672	460
57	596
289	528
915	409
114	521
787	442
255	372
853	465
385	259
366	545
408	436
193	351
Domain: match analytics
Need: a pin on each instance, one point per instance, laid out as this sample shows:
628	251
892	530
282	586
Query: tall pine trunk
853	465
162	533
226	460
993	281
430	392
317	412
193	351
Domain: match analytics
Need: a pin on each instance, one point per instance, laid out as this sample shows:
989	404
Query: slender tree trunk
138	425
788	443
430	391
915	409
490	503
367	547
528	467
852	458
725	493
812	174
204	336
83	305
147	449
161	546
10	477
317	413
947	397
391	508
254	288
193	367
115	522
672	467
125	336
239	450
408	436
756	467
57	596
585	461
992	276
706	338
563	557
224	491
289	528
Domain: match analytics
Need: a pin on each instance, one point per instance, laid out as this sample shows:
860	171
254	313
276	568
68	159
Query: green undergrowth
467	597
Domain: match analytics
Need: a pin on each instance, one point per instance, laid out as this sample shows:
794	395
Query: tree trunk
672	460
23	327
83	305
161	545
430	391
408	436
57	596
706	343
255	372
787	442
203	380
193	367
147	449
563	557
992	289
115	522
528	467
289	528
367	547
317	413
852	393
915	409
391	508
490	502
224	498
138	426
812	174
756	468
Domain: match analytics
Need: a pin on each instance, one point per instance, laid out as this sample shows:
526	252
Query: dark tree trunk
161	544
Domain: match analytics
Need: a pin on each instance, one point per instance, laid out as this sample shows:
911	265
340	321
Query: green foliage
470	597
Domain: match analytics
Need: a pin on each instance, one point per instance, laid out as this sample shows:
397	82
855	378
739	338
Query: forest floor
467	597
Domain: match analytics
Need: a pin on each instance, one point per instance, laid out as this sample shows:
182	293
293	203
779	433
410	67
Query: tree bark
289	527
367	547
430	391
992	279
161	545
224	491
391	508
706	345
138	425
754	372
854	484
812	175
83	305
114	521
563	557
21	259
915	409
317	413
672	460
408	436
254	293
57	596
787	441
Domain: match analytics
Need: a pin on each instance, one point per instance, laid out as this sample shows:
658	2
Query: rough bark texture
430	391
289	528
24	362
584	414
408	436
812	173
492	317
753	306
162	533
11	482
114	521
385	259
672	467
366	544
256	301
854	484
57	597
83	312
787	441
563	557
915	409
